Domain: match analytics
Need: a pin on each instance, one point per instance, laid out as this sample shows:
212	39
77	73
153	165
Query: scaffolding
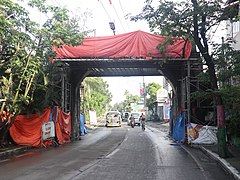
66	95
189	84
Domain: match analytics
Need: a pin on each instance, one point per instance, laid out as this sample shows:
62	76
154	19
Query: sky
117	11
118	85
105	11
102	12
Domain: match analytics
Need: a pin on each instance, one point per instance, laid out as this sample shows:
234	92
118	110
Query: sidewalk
11	151
14	150
230	164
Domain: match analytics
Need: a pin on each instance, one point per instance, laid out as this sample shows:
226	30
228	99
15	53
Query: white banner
199	134
93	117
166	111
48	130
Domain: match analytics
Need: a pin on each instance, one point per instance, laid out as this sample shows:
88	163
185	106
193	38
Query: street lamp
112	26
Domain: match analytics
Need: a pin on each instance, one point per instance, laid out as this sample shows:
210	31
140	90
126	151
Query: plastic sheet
27	129
179	128
137	44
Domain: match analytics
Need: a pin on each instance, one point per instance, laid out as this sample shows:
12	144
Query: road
115	154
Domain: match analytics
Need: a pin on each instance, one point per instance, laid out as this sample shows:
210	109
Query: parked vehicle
113	118
136	116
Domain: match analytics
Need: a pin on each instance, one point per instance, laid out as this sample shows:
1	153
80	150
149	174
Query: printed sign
166	111
48	130
93	117
141	88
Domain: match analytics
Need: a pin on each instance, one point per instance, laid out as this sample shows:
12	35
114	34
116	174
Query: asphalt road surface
115	154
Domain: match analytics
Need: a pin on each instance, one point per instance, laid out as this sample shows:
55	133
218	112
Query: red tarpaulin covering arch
137	44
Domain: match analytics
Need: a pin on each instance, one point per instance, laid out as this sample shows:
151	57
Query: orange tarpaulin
27	129
137	44
63	125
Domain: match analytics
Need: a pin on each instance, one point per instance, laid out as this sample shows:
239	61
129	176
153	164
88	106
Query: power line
118	17
214	32
63	4
123	13
56	3
105	10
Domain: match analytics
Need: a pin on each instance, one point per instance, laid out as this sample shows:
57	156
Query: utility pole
144	93
145	99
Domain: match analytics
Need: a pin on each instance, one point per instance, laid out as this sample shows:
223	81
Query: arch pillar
76	78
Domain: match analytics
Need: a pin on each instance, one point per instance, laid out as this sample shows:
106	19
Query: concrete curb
13	152
226	165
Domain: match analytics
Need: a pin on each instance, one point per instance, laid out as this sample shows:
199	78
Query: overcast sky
105	11
117	11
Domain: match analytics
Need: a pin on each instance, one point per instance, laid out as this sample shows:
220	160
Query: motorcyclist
132	121
142	119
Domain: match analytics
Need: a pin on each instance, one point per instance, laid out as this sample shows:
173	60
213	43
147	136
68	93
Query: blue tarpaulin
179	128
83	129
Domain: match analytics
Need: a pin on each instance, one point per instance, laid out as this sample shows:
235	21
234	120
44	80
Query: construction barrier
34	130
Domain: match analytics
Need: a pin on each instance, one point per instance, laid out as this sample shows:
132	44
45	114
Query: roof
137	44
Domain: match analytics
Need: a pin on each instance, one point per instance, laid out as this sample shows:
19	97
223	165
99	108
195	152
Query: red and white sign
48	130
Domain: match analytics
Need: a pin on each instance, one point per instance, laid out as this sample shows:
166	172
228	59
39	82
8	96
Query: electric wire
214	32
55	2
118	17
105	10
123	13
61	2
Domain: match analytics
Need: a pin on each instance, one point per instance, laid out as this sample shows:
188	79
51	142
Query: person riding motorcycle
142	119
132	121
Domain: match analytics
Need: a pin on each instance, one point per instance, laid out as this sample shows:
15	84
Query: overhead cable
56	3
118	17
105	9
214	32
123	13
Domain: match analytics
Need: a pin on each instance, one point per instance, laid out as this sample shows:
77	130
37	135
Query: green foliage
227	63
152	89
96	96
25	52
162	47
231	98
18	66
167	17
129	99
119	107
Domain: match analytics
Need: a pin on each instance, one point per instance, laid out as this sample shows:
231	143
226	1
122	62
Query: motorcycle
143	125
132	123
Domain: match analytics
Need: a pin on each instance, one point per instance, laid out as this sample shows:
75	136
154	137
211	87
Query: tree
152	89
228	68
192	20
119	107
25	51
96	96
129	99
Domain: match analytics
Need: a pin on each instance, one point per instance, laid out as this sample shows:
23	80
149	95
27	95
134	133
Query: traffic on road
116	153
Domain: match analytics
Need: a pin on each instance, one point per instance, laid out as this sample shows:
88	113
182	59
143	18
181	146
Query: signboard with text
48	130
141	88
